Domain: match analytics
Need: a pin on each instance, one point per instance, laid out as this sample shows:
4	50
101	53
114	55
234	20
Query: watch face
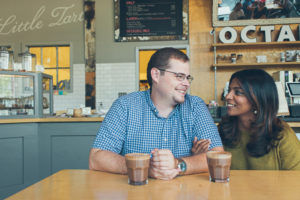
182	166
179	166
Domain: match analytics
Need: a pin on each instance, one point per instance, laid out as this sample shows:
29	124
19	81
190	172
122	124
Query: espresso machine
294	92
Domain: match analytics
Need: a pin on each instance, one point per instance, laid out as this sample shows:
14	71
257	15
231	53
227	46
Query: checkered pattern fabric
133	125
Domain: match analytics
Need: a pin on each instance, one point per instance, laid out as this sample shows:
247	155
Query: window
56	61
143	55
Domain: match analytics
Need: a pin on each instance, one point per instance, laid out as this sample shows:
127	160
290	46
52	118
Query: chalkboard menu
150	20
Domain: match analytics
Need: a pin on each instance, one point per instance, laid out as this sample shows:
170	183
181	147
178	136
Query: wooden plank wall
200	24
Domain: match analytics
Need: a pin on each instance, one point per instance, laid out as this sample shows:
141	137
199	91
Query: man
248	7
164	121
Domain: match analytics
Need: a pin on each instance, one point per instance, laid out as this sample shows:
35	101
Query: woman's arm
289	149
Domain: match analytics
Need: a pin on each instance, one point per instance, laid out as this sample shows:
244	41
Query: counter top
287	119
52	119
293	122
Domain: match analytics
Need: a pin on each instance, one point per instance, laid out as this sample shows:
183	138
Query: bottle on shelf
28	61
213	108
4	58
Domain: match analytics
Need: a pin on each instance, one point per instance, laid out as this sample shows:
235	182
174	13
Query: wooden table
86	185
273	6
273	10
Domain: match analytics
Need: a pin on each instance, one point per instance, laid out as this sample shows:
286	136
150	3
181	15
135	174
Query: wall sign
150	20
229	34
58	16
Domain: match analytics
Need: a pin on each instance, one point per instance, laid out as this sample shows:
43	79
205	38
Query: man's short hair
161	58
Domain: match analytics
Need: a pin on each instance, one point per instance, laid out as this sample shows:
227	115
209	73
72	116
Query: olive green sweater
286	156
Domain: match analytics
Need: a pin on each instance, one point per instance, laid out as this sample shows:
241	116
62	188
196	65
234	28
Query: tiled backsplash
112	80
77	97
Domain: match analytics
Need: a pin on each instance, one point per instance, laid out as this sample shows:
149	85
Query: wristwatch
182	166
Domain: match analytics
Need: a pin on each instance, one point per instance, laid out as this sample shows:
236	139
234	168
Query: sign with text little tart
150	20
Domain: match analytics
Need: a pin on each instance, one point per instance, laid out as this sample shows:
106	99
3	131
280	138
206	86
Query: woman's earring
255	112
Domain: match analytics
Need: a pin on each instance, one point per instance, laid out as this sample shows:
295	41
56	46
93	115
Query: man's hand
163	165
163	174
200	146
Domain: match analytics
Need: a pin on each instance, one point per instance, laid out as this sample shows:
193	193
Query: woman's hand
200	146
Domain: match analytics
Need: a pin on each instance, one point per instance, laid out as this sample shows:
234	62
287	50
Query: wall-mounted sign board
139	20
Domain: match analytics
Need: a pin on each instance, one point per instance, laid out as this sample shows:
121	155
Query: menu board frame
146	36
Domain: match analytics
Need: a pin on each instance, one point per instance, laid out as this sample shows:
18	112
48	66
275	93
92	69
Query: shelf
296	43
241	65
16	108
250	50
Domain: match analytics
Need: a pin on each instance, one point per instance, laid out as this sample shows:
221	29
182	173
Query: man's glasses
180	76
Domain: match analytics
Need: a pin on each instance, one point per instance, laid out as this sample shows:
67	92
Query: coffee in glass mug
218	165
137	168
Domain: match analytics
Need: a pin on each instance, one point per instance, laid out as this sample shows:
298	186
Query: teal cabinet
65	146
30	152
18	157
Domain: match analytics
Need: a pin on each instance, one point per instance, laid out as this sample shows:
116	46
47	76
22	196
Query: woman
260	12
237	12
247	8
251	131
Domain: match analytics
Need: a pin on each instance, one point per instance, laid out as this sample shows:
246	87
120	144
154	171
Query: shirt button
165	139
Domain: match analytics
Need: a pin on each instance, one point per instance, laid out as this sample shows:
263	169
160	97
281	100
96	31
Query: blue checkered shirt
133	124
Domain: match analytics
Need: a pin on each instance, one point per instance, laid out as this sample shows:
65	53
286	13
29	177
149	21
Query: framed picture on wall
248	12
144	20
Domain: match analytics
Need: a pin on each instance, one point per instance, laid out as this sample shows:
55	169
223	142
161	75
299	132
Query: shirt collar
154	109
150	102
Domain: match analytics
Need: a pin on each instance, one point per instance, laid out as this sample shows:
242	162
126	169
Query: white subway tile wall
77	97
112	80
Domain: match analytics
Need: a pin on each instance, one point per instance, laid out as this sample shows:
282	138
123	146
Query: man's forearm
107	161
197	163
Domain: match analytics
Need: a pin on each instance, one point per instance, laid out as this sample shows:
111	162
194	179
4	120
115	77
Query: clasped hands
163	164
